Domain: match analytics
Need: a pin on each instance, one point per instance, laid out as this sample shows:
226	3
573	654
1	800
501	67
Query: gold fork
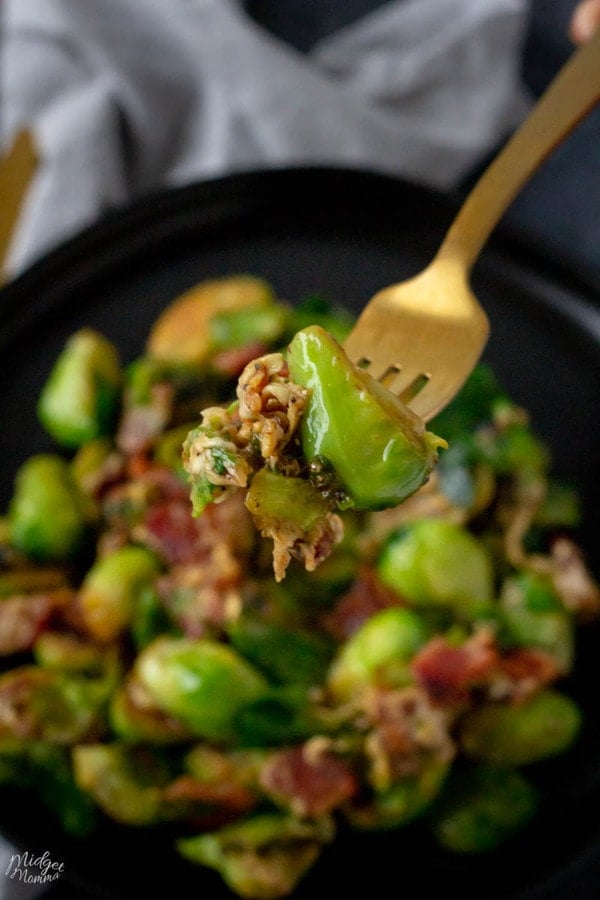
422	337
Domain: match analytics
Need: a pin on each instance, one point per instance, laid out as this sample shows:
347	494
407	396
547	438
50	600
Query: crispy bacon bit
229	522
193	604
449	673
270	406
291	542
203	588
170	530
366	596
310	784
210	803
407	728
16	689
24	617
141	425
167	526
521	672
125	503
574	584
138	464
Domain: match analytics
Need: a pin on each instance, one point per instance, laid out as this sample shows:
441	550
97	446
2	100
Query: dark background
560	205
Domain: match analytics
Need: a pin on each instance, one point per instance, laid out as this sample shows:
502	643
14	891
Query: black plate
343	234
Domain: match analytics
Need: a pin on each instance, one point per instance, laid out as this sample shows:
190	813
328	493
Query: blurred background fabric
126	97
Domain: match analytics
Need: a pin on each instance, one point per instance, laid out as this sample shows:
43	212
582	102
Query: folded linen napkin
129	96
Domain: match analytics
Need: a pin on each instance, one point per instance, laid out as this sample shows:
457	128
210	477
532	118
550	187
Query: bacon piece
169	528
230	521
205	556
138	464
449	673
366	596
309	779
24	617
524	663
270	406
141	425
291	542
521	672
407	728
194	602
172	532
210	803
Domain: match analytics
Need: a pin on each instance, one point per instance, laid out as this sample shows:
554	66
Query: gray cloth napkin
129	96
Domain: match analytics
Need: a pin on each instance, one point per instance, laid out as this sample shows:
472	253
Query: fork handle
572	93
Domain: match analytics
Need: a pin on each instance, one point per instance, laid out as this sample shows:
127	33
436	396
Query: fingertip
585	21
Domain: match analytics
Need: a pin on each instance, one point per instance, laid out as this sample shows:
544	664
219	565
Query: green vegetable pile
411	664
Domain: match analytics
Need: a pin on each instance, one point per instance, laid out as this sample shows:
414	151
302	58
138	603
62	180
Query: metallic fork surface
422	337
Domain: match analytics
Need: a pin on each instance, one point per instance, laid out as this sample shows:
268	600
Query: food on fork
309	434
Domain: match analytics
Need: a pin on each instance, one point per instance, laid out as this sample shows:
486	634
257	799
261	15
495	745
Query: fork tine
414	387
390	376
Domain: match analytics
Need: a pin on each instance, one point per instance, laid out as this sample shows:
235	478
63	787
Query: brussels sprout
149	618
68	653
206	764
167	451
126	784
517	735
111	589
434	562
285	656
143	374
135	719
561	507
79	401
482	807
316	310
378	652
378	449
263	857
513	448
488	428
280	499
401	803
95	462
474	405
281	715
215	464
533	616
296	515
203	683
236	328
183	332
42	704
47	514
